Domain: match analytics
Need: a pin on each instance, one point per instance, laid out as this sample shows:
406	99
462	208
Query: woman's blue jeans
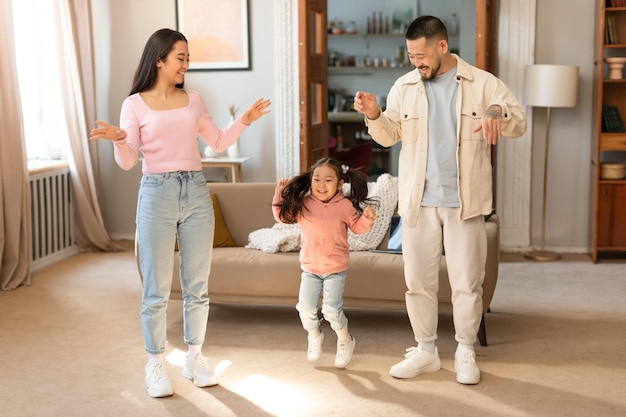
331	287
174	205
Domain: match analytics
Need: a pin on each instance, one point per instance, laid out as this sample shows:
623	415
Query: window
45	131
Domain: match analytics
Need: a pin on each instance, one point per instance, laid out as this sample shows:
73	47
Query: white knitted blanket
279	238
385	189
286	237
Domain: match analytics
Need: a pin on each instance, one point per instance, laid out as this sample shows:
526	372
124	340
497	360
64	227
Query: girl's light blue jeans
174	205
331	287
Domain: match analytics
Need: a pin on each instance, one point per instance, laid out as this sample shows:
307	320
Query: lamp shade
551	85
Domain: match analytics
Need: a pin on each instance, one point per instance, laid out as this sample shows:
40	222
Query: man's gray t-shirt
441	185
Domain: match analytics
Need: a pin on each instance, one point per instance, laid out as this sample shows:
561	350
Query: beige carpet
70	345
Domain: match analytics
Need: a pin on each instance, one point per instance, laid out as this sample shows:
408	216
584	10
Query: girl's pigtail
293	197
358	189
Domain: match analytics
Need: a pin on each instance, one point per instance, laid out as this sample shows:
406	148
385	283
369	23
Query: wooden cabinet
608	210
611	224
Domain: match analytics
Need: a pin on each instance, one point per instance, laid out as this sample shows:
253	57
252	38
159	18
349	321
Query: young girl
315	200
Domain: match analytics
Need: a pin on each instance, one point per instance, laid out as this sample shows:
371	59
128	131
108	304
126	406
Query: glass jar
351	27
337	27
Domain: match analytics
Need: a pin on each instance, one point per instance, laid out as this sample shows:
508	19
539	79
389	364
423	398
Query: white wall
564	36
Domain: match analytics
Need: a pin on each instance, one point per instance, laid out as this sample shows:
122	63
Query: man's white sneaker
197	369
344	353
315	347
467	371
157	381
417	362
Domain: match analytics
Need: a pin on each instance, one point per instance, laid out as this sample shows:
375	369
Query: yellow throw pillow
222	236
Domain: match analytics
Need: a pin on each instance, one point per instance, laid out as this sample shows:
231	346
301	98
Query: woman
163	120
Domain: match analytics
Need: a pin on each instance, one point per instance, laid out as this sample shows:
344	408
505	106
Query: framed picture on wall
218	33
402	13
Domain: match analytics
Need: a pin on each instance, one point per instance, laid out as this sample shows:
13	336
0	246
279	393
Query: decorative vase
233	150
616	65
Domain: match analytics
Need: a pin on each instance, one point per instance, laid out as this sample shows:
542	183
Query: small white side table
226	162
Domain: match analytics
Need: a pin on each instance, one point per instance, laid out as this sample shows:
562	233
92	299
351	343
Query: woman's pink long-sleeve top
324	232
168	139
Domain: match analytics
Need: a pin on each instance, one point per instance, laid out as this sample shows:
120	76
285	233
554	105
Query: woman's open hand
256	111
107	131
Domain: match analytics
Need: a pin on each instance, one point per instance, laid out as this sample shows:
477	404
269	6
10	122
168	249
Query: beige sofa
375	280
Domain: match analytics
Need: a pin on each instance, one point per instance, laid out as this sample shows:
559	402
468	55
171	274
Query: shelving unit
608	210
391	72
367	51
366	61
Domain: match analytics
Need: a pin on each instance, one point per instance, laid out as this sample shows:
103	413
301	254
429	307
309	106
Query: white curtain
74	39
14	188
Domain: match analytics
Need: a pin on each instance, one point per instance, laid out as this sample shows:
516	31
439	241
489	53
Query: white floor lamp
549	86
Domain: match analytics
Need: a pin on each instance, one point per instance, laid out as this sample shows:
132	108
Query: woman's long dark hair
159	44
299	187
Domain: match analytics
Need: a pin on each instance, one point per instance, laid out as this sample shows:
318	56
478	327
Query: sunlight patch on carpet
177	358
274	396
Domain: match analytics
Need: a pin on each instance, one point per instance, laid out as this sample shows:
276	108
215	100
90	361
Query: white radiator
52	213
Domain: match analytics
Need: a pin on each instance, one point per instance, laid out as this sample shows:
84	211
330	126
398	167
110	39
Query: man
447	114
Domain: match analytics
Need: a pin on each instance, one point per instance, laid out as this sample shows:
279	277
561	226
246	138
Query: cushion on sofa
222	236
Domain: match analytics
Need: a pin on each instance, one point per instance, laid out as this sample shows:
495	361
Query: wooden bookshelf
608	208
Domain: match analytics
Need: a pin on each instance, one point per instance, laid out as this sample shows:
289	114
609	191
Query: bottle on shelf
332	58
454	25
400	56
374	25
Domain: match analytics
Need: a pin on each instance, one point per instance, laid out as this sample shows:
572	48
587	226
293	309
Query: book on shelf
612	120
617	3
610	31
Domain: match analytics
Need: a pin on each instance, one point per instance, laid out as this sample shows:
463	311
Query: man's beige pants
465	244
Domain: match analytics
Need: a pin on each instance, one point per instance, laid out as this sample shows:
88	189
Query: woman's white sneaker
157	380
197	369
